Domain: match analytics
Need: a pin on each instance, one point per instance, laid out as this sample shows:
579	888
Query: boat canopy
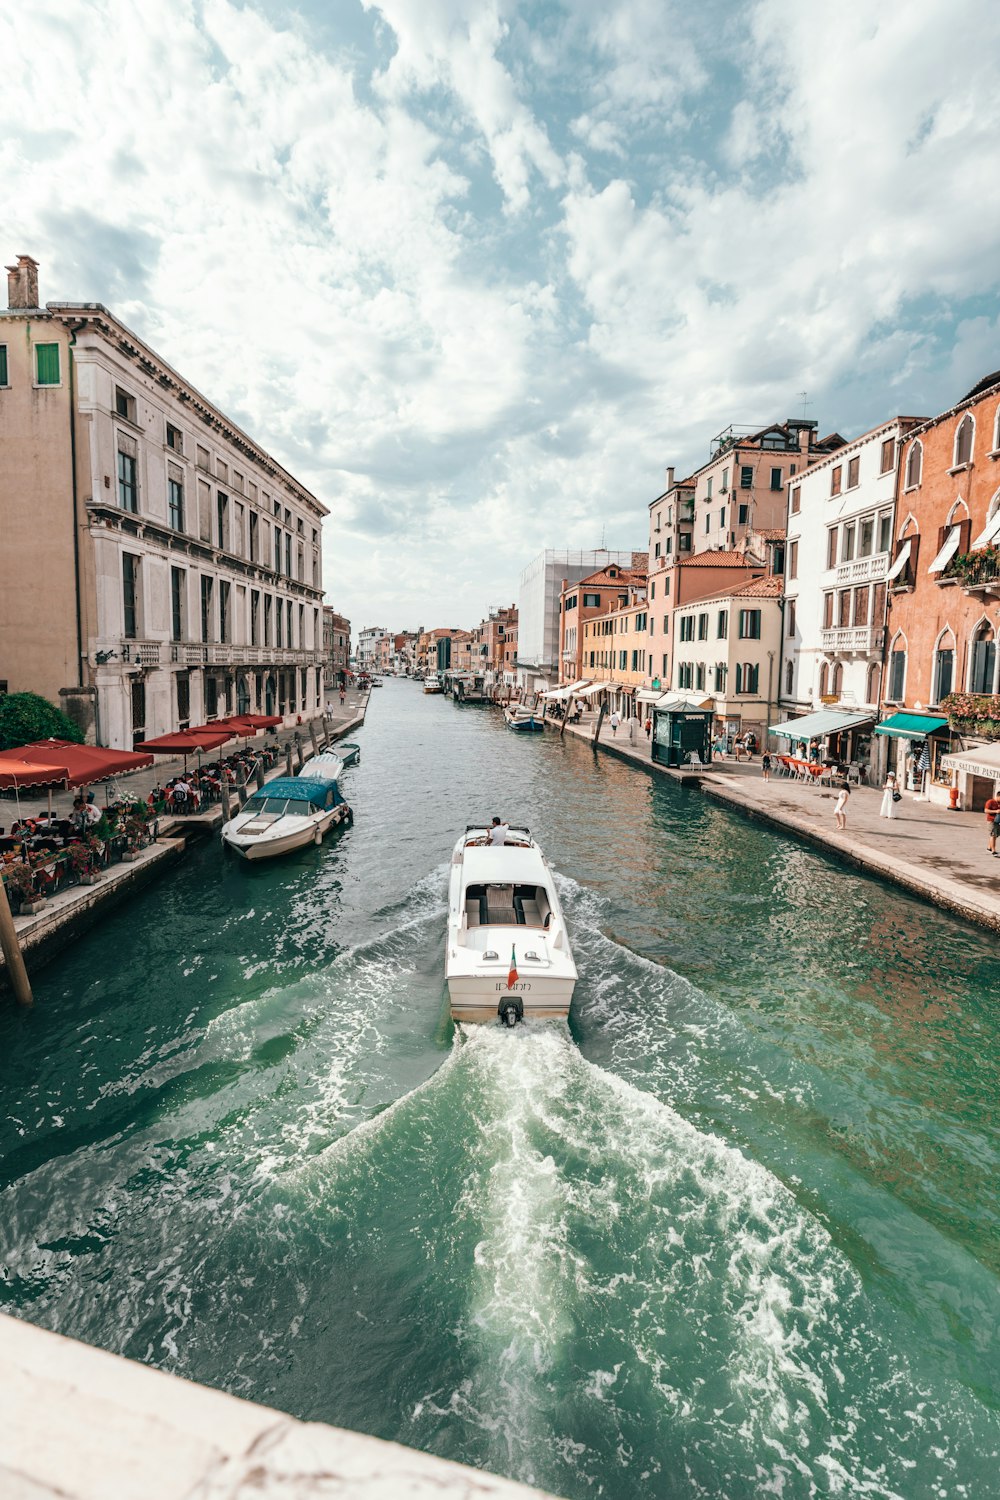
313	790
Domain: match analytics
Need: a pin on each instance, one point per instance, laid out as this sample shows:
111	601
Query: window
722	516
914	465
4	378
837	685
128	489
720	677
861	606
964	434
791	617
796	499
708	488
742	513
656	550
749	625
183	699
866	536
777	478
747	676
124	404
888	455
789	676
793	559
178	591
684	541
725	482
267	619
175	439
175	504
279	623
254	536
944	672
844	608
885	532
874	672
224	592
211	697
687	627
831	547
206	608
130	591
699	677
897	673
853	472
708	520
827	611
835	477
666	624
983	660
635	660
591	601
823	674
685	675
722	625
222	520
847	545
47	364
746	477
703	627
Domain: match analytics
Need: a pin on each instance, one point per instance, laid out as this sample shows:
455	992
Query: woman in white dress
888	808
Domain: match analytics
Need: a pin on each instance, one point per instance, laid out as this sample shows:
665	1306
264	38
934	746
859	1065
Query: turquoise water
732	1232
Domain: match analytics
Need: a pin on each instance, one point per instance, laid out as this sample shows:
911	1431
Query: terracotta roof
714	559
770	533
623	578
771	586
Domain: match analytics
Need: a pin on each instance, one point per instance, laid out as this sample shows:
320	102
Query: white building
159	567
839	539
728	648
369	650
538	609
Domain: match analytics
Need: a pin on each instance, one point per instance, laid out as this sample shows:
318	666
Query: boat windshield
273	806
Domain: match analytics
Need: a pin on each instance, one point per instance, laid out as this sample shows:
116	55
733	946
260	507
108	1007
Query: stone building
727	650
595	596
336	649
159	568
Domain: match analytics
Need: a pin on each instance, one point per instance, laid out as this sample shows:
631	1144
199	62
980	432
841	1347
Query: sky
477	271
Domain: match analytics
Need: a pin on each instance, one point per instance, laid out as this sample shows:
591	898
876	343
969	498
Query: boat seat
473	912
530	914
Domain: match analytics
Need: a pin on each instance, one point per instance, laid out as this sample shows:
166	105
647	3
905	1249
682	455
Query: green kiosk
682	733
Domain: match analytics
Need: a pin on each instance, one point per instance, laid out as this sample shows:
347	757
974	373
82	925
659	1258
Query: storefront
976	773
915	747
841	737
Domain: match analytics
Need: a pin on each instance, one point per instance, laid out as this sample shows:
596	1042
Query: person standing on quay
840	808
888	808
765	766
614	721
992	811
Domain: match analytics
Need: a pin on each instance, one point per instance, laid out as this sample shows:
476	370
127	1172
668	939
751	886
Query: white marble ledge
79	1424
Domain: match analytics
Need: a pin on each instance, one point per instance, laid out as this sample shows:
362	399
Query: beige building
157	567
336	649
615	650
727	647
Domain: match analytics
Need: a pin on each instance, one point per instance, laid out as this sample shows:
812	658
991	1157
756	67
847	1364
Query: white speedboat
288	813
327	765
508	951
431	684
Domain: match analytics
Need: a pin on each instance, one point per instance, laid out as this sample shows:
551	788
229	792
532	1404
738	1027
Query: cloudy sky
477	270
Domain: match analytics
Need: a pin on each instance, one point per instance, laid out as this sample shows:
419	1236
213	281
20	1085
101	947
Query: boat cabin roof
505	864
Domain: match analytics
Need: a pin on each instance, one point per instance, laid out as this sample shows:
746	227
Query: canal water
732	1232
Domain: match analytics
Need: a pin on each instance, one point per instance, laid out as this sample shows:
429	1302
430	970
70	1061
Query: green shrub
25	717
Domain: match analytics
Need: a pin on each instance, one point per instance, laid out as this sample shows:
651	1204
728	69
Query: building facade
727	648
538	614
179	563
336	649
583	602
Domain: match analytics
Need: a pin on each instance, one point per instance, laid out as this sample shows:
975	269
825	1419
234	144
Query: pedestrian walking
992	811
648	726
994	831
765	766
343	696
840	808
614	721
890	796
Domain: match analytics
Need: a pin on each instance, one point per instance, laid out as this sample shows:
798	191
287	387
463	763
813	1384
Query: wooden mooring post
224	789
16	972
600	721
312	736
259	775
288	759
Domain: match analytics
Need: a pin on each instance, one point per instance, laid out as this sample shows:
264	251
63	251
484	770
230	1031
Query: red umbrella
187	741
17	772
84	763
260	721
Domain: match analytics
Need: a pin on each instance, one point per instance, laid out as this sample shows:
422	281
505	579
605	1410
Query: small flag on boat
512	975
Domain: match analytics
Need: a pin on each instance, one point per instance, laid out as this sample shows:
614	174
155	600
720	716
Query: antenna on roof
805	401
602	547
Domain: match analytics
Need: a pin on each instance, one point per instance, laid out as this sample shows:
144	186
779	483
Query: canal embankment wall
82	1424
932	853
43	934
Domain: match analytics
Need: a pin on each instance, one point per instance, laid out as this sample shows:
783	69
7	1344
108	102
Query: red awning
15	771
84	763
260	721
188	742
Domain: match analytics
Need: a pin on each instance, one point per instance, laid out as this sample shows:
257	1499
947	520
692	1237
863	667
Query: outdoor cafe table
803	768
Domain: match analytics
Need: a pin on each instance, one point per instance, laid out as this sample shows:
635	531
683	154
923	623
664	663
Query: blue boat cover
311	789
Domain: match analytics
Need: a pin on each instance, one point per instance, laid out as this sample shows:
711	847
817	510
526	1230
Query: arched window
789	676
914	464
996	431
964	434
944	666
897	670
983	659
871	691
836	686
990	534
823	675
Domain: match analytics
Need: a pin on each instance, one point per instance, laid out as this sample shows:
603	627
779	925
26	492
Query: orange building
609	588
944	586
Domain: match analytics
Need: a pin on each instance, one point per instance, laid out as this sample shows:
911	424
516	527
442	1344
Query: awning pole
16	971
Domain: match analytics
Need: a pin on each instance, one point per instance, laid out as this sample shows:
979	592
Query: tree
25	717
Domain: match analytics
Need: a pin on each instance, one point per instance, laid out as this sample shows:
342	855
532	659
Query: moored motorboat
327	765
523	720
431	684
508	951
288	813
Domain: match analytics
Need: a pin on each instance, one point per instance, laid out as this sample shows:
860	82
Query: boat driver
497	832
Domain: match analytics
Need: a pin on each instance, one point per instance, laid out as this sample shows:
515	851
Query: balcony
140	653
978	572
864	569
853	640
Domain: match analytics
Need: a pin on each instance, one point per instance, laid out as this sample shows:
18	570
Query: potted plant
136	836
80	858
20	881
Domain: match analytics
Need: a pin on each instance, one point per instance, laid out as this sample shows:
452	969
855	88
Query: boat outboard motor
510	1010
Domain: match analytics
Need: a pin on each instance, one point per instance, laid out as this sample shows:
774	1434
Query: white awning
900	563
682	702
595	687
989	533
568	690
947	552
648	695
983	761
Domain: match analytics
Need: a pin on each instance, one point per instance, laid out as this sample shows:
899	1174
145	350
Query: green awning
815	726
911	726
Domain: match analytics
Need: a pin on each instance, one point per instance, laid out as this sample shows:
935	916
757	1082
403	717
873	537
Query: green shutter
47	364
3	364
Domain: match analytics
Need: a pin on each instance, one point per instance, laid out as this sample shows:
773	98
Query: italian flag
512	973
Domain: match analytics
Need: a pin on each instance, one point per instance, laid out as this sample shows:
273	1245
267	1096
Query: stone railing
861	639
863	569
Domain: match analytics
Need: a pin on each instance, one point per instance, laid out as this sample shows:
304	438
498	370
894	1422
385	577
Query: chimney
670	476
22	283
805	437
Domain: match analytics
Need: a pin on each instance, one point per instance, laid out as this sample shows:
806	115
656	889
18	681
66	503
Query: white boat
523	720
431	684
288	813
327	765
508	951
